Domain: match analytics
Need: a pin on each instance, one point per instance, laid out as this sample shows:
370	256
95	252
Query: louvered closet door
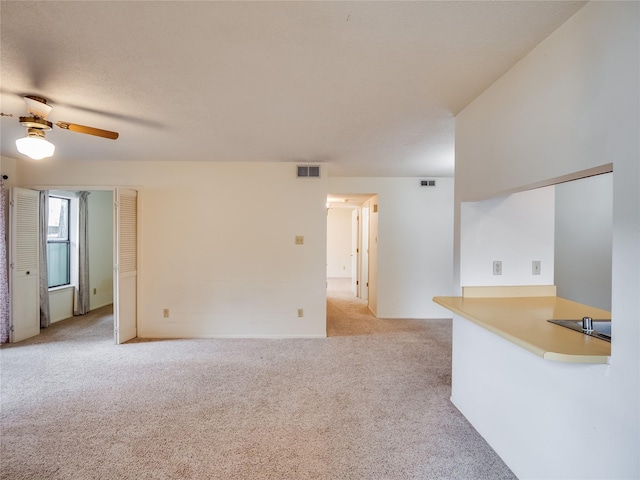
24	264
126	269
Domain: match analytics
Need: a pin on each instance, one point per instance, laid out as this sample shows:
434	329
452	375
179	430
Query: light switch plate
535	267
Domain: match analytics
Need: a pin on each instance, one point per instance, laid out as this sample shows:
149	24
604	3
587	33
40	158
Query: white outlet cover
497	267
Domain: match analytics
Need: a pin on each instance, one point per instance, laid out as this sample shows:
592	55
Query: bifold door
24	269
126	267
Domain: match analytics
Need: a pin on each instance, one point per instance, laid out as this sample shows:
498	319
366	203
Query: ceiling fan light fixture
34	145
37	106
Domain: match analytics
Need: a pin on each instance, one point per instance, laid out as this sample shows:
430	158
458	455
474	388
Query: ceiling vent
309	171
427	183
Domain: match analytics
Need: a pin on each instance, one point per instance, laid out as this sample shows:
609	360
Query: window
58	244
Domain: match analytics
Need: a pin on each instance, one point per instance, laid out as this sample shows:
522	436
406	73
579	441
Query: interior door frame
355	252
372	256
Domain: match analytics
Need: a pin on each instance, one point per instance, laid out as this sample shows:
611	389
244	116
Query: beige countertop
523	321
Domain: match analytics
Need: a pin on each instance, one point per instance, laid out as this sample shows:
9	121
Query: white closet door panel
24	264
126	274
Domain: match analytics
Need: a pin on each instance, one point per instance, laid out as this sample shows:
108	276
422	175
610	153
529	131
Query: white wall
339	242
570	105
7	167
583	234
61	303
217	243
100	206
516	230
415	243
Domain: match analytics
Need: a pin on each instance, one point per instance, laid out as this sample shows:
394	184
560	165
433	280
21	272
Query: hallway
348	315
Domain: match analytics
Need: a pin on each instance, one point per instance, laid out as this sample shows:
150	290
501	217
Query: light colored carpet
369	402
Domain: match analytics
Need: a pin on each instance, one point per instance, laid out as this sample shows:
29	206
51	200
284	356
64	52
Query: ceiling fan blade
88	130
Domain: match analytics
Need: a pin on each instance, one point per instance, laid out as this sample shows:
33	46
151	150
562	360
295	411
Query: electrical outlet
165	313
300	312
299	240
497	267
535	267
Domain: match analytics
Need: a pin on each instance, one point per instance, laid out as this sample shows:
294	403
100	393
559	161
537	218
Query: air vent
427	183
308	171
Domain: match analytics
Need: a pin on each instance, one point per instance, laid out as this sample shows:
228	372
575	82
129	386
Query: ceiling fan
34	144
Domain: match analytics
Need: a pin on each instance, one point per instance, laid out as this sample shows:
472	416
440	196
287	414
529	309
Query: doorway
99	240
350	262
111	238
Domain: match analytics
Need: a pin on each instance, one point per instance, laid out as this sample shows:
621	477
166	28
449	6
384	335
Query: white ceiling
371	88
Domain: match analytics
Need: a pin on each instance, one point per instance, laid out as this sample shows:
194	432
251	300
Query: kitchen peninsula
523	321
517	377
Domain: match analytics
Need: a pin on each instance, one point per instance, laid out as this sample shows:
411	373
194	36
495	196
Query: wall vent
427	183
309	171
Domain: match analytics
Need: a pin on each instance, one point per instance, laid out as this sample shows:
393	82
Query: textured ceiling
371	88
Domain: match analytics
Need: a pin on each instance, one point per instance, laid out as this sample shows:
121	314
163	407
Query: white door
355	220
126	268
373	256
24	270
364	253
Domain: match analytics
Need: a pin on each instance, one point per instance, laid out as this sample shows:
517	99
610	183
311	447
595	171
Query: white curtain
83	295
5	324
45	314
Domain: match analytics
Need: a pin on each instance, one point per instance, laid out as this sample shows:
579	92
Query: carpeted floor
369	402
